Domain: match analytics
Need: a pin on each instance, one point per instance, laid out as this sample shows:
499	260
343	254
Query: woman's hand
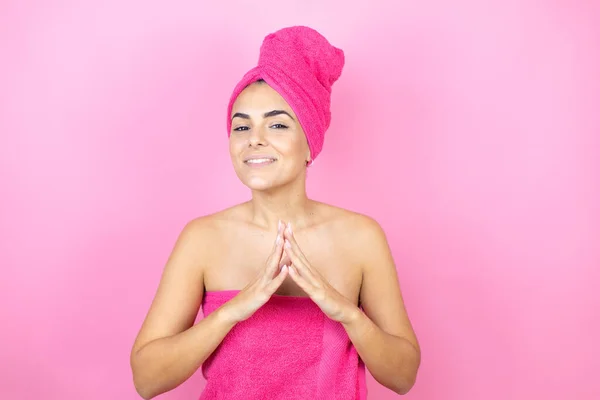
329	300
260	290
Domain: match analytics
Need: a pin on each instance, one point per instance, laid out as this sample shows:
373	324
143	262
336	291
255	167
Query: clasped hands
285	259
330	301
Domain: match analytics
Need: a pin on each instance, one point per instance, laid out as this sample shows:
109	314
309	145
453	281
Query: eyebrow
265	115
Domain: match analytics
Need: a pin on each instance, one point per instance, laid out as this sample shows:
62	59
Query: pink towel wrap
301	65
289	349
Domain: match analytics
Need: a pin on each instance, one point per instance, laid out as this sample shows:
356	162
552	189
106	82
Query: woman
298	296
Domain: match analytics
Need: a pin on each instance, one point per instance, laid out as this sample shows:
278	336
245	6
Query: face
267	145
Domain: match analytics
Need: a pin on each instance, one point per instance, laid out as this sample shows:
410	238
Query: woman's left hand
330	301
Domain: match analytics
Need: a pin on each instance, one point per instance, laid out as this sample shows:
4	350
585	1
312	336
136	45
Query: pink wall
470	130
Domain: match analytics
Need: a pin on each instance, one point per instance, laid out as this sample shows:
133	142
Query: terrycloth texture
301	65
287	350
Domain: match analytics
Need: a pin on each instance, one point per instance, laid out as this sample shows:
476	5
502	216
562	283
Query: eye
241	128
279	126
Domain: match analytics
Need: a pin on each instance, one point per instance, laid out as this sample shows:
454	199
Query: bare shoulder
193	237
199	227
380	294
360	230
181	287
212	226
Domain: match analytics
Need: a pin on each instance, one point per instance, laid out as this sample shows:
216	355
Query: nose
257	137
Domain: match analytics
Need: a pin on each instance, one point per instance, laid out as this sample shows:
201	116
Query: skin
278	242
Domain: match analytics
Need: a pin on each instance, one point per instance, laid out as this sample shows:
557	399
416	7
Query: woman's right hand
260	290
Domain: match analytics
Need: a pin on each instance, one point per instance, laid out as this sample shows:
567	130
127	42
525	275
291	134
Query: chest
238	262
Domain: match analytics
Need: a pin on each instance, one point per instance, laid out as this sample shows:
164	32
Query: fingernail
289	225
278	240
279	225
287	244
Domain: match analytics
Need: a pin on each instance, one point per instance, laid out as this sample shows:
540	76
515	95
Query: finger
280	229
301	281
289	235
285	260
301	267
274	260
275	257
278	280
295	247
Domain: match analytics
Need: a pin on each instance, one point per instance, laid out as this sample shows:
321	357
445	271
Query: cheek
235	146
290	145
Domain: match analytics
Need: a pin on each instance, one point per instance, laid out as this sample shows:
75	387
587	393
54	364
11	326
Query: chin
259	183
265	179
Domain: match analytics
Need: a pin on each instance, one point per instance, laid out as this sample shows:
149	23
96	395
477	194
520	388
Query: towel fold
288	350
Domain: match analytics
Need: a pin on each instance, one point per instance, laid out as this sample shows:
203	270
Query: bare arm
168	350
383	334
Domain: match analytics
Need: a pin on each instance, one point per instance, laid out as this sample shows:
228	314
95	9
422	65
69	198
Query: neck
288	203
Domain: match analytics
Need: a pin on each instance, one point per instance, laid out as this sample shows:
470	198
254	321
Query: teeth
259	160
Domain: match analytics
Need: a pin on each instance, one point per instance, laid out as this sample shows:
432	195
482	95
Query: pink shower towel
301	65
289	349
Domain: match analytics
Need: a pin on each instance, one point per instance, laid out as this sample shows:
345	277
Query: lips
259	160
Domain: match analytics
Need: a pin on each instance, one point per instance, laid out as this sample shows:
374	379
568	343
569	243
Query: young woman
298	296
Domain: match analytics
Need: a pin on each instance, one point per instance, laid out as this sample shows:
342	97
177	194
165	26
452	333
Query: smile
260	162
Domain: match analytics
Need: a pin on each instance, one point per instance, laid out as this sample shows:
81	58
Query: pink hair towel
288	349
301	65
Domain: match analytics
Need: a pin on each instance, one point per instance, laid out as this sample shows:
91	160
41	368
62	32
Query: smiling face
267	145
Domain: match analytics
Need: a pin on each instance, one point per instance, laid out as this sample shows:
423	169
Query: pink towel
301	65
287	350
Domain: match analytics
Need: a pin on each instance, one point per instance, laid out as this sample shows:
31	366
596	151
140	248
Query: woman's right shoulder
214	224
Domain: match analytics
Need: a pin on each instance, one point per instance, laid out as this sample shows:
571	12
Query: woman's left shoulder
360	226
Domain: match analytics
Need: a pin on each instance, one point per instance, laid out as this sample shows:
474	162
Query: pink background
469	129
